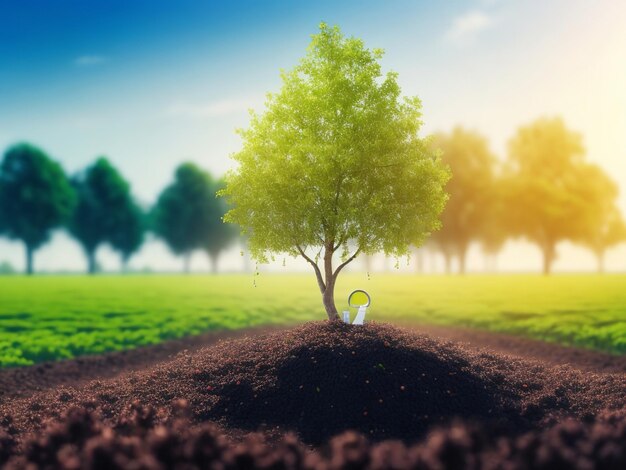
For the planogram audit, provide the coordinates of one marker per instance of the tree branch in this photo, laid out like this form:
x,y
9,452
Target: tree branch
x,y
331,236
346,262
376,167
339,243
318,273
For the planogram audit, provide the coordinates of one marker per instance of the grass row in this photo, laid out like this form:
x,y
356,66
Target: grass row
x,y
48,318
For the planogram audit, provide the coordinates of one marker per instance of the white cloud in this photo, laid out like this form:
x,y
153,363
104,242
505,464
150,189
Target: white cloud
x,y
214,109
89,60
466,27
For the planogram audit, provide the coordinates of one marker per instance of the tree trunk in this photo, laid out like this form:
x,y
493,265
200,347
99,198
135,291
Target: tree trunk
x,y
328,296
328,299
186,263
432,261
494,263
448,262
419,261
462,258
600,259
547,264
548,258
213,257
91,261
30,253
326,281
124,264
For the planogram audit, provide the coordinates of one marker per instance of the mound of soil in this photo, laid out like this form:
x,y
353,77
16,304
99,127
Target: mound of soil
x,y
320,379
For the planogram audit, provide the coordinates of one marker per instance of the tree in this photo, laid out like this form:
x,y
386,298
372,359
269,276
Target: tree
x,y
334,161
130,235
604,226
1,222
472,164
611,231
186,210
102,212
542,173
35,197
418,254
6,268
494,231
221,235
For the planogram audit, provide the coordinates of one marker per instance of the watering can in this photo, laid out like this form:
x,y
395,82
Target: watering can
x,y
360,300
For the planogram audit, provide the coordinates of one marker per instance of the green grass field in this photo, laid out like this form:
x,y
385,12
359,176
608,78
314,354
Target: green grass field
x,y
44,318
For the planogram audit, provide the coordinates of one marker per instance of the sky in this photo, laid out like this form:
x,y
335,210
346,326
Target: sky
x,y
151,84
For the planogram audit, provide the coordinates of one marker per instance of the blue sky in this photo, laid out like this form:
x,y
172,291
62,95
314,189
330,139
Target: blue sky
x,y
154,83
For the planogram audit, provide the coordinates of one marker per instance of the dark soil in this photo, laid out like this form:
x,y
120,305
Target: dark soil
x,y
24,381
81,440
316,381
320,379
20,382
549,353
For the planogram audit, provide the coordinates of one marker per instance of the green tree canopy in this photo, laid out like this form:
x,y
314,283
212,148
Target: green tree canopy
x,y
471,191
6,268
546,185
334,160
130,235
1,221
185,213
102,212
35,197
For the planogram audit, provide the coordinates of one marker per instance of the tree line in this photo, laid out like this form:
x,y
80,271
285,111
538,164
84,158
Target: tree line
x,y
96,207
544,191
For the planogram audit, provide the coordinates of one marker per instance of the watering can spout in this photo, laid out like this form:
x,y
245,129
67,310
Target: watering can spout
x,y
360,316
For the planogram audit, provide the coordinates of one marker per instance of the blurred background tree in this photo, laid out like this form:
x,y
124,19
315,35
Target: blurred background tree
x,y
129,238
610,232
1,222
471,190
221,235
547,200
35,197
494,231
6,268
186,211
105,208
545,191
602,224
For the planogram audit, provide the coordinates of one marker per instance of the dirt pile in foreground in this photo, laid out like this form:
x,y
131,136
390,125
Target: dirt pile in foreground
x,y
318,380
81,441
